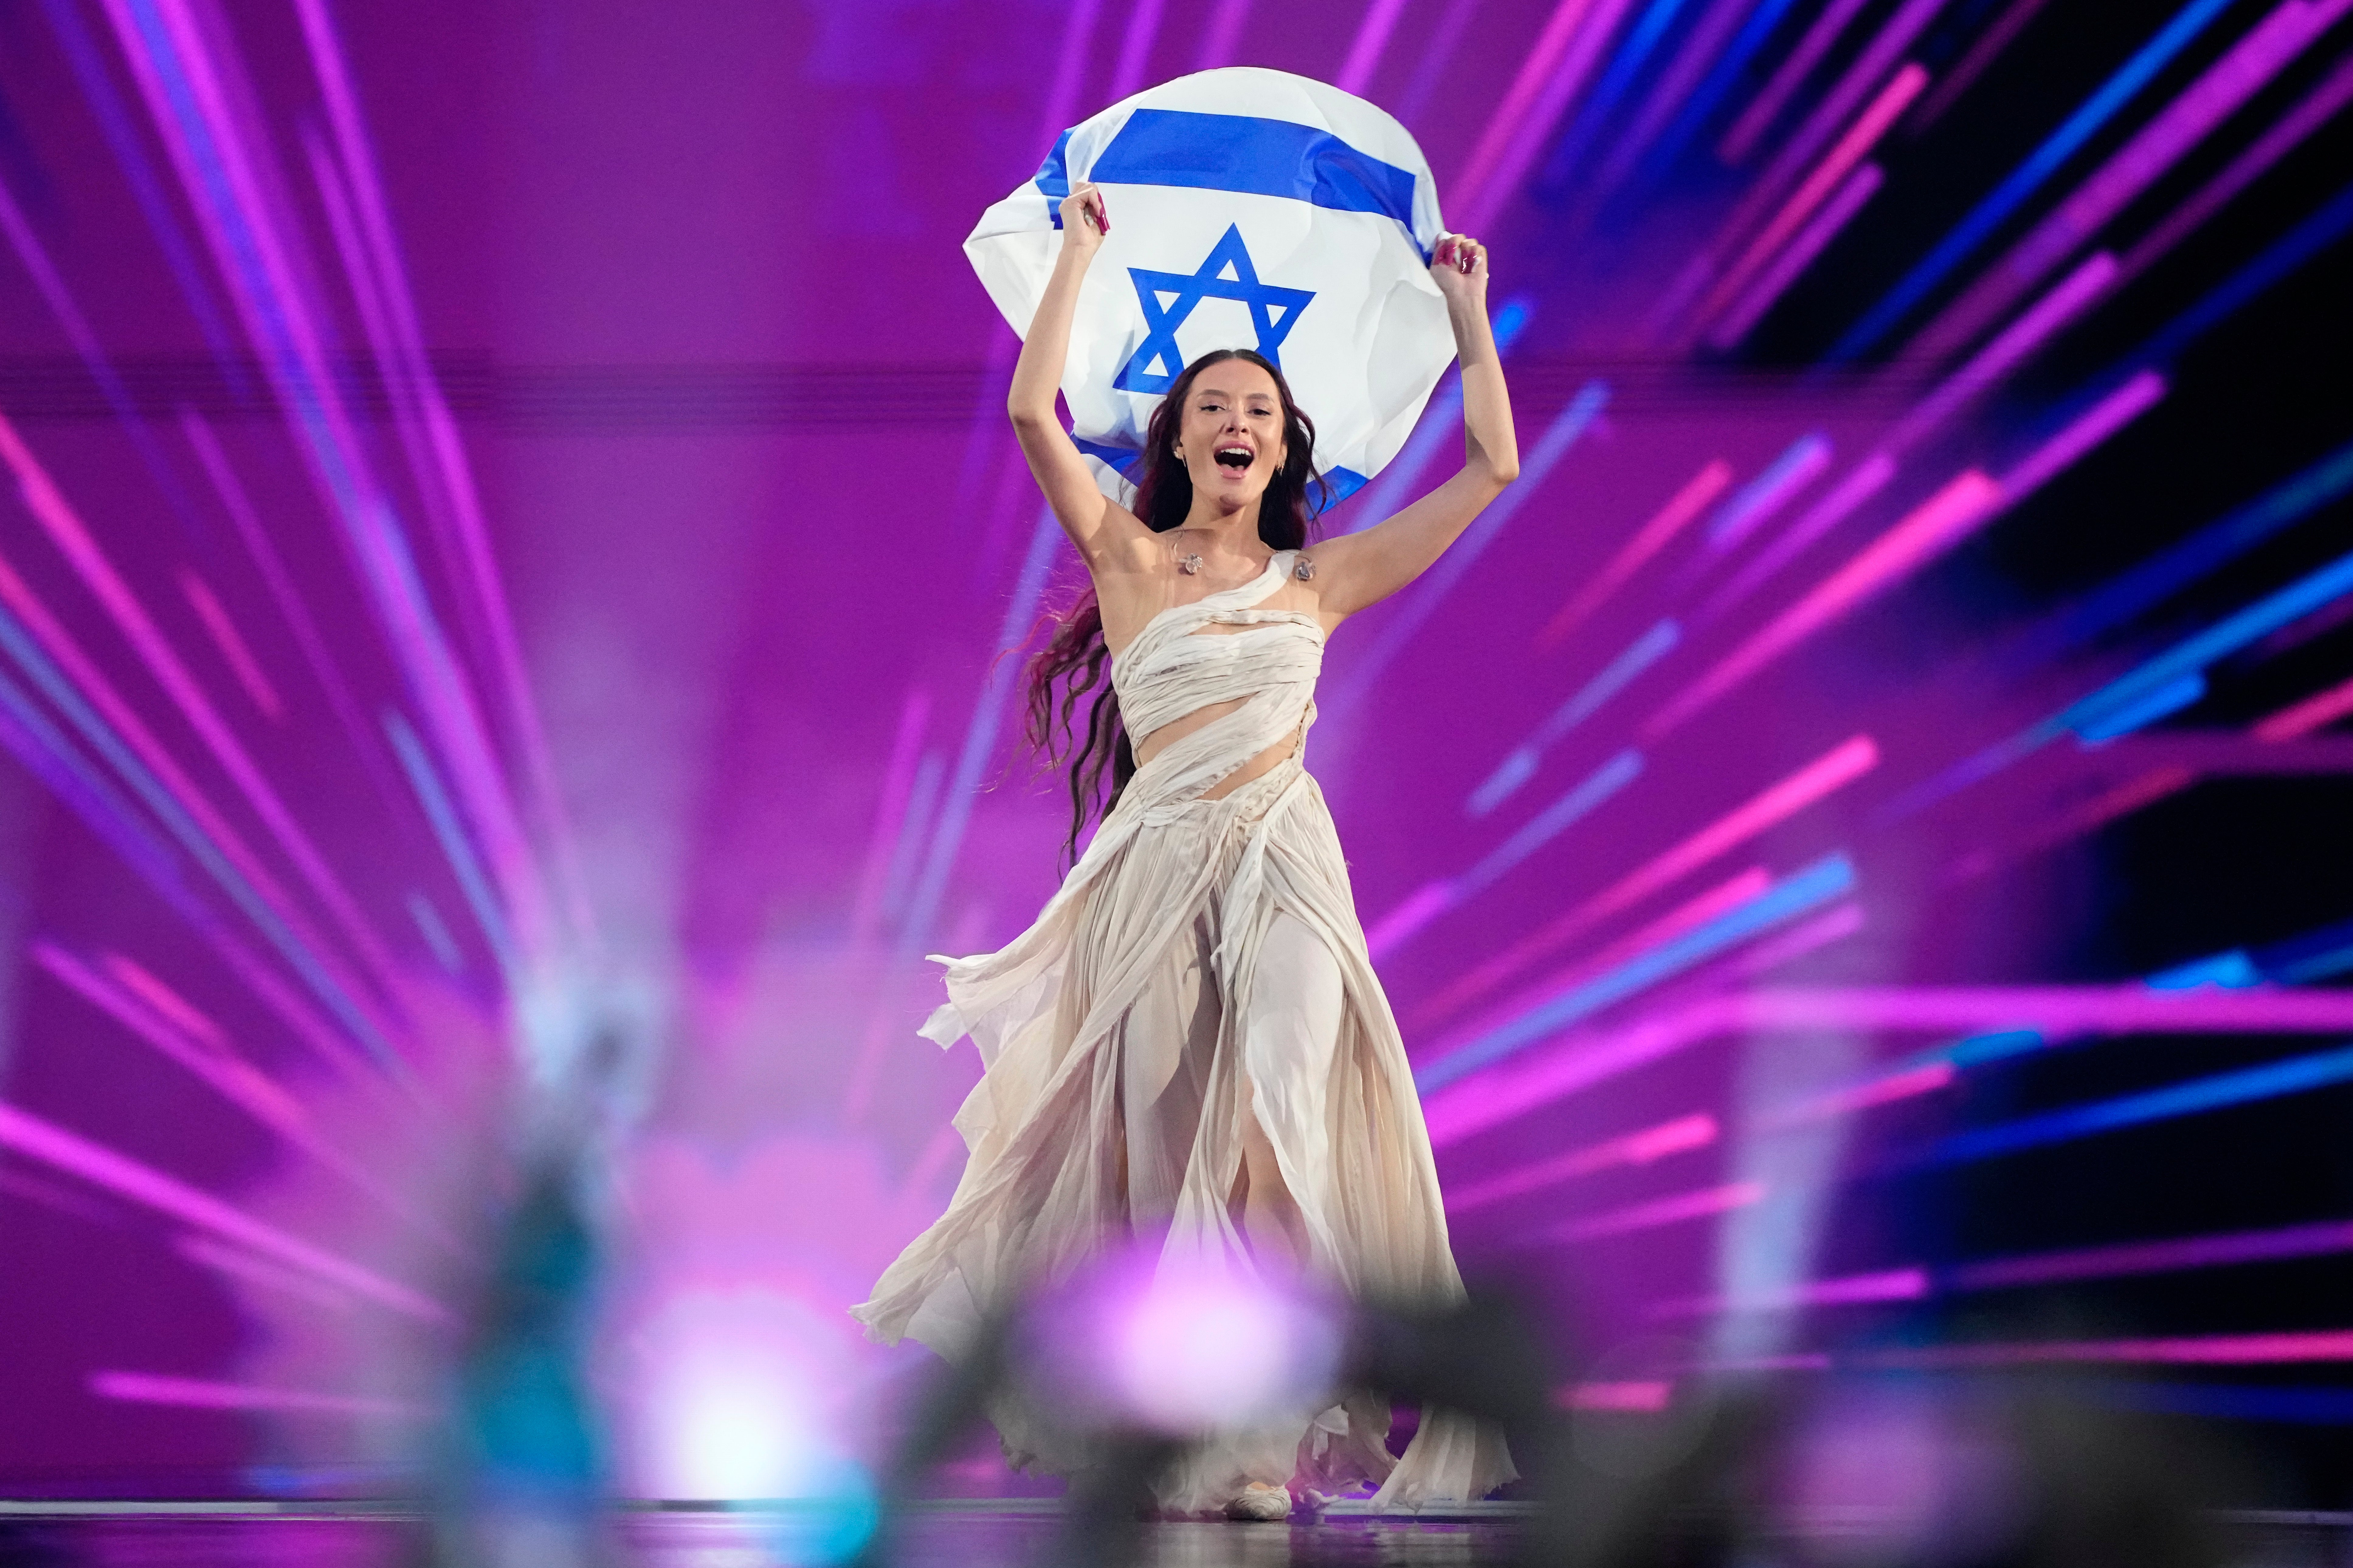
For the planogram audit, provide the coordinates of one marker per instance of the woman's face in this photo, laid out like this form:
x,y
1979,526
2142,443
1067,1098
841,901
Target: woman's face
x,y
1231,438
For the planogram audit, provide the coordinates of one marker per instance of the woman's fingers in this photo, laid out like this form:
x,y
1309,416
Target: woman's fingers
x,y
1461,252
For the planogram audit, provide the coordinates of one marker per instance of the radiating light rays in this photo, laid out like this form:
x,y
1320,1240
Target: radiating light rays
x,y
1776,804
1555,66
1927,532
892,814
1841,501
2315,110
1677,1136
2023,182
1803,202
54,1146
74,540
1625,68
2315,712
106,723
1776,276
1398,627
256,243
2171,571
1707,1203
1365,49
1434,898
231,644
2184,1350
1785,179
2149,691
2081,435
436,451
2296,1075
1525,761
1995,1015
1800,892
1740,140
198,1393
1682,510
472,881
2242,72
1757,502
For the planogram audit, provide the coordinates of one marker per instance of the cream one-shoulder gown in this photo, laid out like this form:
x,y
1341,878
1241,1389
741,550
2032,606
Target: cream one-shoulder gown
x,y
1202,960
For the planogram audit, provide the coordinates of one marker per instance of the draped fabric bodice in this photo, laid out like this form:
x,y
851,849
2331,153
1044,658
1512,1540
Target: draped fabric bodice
x,y
1186,659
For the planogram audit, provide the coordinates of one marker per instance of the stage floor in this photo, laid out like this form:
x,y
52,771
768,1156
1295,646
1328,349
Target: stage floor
x,y
949,1535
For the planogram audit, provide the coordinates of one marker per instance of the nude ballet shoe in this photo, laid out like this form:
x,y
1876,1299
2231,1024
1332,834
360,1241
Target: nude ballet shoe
x,y
1259,1503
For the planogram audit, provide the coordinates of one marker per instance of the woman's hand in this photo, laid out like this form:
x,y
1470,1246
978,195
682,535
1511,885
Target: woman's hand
x,y
1085,219
1458,269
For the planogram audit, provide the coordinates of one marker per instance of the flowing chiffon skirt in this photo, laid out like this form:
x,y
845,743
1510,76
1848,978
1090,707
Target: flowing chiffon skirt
x,y
1201,971
1120,1072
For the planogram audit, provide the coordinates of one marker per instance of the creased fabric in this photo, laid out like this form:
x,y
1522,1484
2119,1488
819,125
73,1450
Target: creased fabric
x,y
1203,957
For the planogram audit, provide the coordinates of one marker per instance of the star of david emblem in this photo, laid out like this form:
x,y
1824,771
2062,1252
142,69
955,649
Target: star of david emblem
x,y
1168,298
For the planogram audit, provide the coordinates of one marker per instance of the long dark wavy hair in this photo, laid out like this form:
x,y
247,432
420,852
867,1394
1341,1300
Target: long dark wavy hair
x,y
1072,670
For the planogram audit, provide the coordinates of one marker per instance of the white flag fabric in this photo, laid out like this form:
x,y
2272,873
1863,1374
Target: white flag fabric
x,y
1250,209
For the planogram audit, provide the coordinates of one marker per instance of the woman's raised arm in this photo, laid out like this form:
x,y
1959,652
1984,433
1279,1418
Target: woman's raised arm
x,y
1095,525
1366,567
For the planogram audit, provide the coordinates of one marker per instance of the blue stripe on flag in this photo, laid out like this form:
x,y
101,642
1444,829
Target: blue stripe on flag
x,y
1054,177
1123,459
1255,157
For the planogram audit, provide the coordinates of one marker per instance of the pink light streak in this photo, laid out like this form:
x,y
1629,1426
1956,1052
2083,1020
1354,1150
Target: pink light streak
x,y
1790,265
1776,804
1837,108
144,1185
890,814
2076,293
2315,712
2093,426
2317,108
146,1388
2153,1256
1371,40
1640,1397
1555,66
1866,480
1786,77
1816,187
251,238
236,1080
2204,1350
1937,524
1972,65
1725,896
2244,70
1886,1089
1224,34
166,1001
1421,906
1853,1290
1832,925
73,538
1684,1132
1585,1058
1698,493
232,646
239,504
117,713
1706,1203
1708,37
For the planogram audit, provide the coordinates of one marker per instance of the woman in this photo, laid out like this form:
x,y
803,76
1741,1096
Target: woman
x,y
1190,1041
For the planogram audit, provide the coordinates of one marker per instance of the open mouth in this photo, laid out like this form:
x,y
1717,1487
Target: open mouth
x,y
1234,456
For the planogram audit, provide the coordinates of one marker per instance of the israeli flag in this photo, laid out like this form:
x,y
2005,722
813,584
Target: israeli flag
x,y
1250,209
